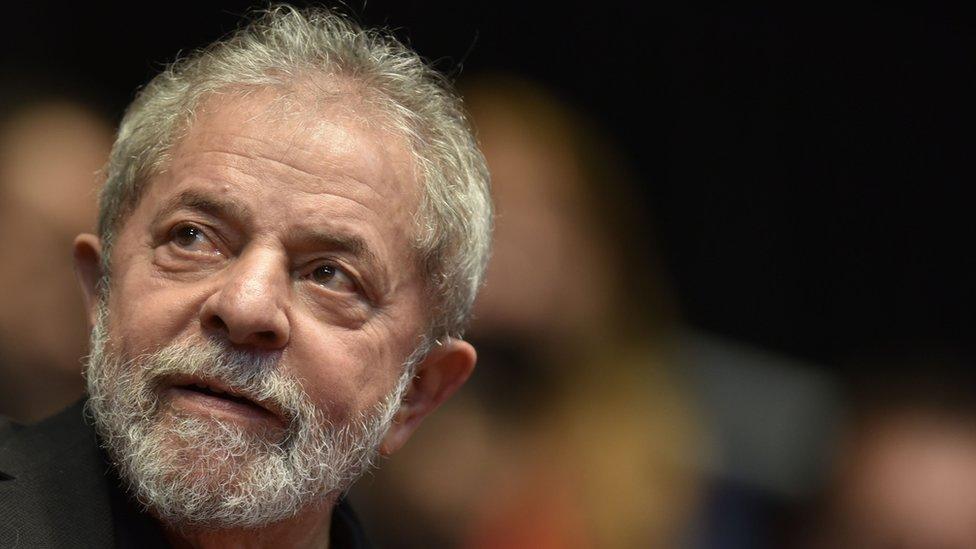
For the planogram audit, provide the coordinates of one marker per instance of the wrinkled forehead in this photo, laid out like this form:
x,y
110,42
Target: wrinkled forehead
x,y
304,168
335,140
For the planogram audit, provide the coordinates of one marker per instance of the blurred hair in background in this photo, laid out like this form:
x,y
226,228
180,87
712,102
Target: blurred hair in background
x,y
51,148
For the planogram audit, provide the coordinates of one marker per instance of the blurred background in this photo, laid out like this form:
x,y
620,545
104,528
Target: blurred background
x,y
731,303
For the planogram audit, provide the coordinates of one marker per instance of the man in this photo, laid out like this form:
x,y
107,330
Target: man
x,y
293,229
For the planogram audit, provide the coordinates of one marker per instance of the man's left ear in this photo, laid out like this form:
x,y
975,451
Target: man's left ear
x,y
442,372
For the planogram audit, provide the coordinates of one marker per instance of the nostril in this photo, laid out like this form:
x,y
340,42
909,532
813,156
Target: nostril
x,y
243,326
268,335
216,323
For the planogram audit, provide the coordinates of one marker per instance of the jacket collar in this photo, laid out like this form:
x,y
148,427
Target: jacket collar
x,y
56,487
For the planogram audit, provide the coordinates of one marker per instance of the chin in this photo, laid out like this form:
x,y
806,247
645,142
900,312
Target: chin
x,y
191,471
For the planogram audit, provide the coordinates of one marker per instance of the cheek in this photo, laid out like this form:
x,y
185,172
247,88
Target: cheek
x,y
345,372
146,314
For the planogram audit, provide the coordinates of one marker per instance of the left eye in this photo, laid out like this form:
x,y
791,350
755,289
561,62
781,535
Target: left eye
x,y
333,277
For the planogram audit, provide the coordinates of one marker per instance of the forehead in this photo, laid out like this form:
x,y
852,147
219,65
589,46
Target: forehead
x,y
263,143
322,137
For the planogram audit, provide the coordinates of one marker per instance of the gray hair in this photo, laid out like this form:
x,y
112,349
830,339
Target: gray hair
x,y
286,47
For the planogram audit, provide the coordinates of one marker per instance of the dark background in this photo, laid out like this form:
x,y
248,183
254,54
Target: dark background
x,y
803,172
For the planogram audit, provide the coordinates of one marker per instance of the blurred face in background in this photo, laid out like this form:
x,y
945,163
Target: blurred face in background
x,y
550,272
50,154
907,481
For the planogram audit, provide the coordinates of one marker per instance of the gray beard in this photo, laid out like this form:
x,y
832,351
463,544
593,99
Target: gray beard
x,y
201,472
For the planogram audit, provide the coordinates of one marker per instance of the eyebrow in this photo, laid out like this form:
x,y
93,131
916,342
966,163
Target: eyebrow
x,y
323,239
194,200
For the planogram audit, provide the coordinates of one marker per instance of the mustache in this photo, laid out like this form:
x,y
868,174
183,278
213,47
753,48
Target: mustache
x,y
255,376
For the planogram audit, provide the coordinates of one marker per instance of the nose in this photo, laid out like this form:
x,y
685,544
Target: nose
x,y
248,307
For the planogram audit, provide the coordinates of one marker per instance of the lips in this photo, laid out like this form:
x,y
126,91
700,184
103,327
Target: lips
x,y
218,393
213,393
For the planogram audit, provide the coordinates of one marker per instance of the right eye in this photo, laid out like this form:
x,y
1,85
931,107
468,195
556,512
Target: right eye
x,y
193,239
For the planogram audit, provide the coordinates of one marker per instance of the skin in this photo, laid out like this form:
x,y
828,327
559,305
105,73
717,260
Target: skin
x,y
48,151
907,481
272,197
543,226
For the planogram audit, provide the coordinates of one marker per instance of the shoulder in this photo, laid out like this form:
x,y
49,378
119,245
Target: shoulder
x,y
8,429
55,443
53,483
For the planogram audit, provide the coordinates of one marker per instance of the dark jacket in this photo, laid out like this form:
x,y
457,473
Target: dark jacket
x,y
57,489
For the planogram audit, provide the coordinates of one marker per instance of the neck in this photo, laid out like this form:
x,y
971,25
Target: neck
x,y
308,529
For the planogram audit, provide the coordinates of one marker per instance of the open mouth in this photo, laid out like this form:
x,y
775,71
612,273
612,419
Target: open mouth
x,y
217,393
213,397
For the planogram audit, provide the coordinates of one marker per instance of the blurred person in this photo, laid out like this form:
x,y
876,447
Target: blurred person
x,y
573,251
294,226
770,422
582,435
50,153
904,473
611,452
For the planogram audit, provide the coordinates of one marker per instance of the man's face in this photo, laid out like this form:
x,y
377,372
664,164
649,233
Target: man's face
x,y
276,241
282,233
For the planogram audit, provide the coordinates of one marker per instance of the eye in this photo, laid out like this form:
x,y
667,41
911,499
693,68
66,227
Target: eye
x,y
192,238
333,277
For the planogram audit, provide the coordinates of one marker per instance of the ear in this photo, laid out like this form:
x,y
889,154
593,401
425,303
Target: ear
x,y
88,269
445,369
